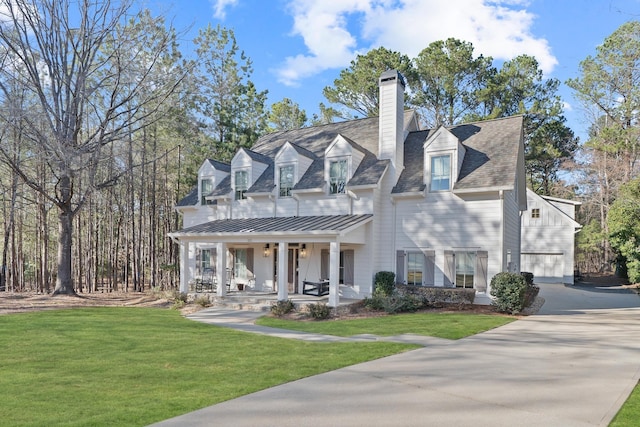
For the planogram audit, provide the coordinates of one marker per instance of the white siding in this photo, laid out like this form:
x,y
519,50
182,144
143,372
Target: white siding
x,y
444,221
550,235
511,233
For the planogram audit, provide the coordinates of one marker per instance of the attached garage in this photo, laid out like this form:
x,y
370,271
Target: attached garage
x,y
548,238
546,267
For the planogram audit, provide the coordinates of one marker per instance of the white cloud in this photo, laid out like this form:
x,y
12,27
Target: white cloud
x,y
220,6
334,31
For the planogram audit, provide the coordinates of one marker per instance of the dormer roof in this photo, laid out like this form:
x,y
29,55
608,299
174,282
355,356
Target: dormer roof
x,y
224,167
490,162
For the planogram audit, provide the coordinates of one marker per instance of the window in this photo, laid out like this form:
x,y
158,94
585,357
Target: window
x,y
240,264
465,269
206,187
242,183
535,213
337,177
286,180
440,173
205,258
414,268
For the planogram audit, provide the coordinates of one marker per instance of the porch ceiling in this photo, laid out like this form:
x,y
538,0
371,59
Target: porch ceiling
x,y
336,225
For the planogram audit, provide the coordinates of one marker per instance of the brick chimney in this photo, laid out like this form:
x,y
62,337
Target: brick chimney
x,y
391,122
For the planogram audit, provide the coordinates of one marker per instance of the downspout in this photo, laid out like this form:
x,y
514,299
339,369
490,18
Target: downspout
x,y
394,216
502,230
352,197
275,204
295,197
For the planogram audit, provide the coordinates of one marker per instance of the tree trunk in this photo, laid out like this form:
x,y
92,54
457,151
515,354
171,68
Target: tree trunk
x,y
64,282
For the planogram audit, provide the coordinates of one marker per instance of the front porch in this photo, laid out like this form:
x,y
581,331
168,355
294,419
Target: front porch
x,y
278,256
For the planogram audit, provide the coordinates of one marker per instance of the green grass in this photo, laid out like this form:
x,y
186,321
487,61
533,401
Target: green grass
x,y
135,366
442,325
630,412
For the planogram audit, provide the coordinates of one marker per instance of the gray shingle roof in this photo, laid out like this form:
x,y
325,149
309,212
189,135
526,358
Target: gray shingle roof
x,y
412,177
490,161
369,172
225,167
295,224
491,157
492,153
223,188
190,199
264,183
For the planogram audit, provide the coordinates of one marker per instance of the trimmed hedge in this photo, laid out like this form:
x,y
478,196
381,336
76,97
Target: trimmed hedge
x,y
385,282
510,291
435,294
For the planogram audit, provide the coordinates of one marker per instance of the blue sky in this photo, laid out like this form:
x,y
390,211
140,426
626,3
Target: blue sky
x,y
299,46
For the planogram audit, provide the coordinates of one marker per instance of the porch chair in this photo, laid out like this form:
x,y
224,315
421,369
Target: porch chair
x,y
207,281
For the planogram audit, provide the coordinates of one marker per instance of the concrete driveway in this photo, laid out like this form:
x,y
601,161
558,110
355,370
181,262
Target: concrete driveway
x,y
573,364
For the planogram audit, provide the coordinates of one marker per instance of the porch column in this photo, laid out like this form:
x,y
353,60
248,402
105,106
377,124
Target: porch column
x,y
185,273
221,269
283,286
334,274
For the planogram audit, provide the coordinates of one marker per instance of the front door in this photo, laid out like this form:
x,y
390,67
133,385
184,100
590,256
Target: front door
x,y
292,270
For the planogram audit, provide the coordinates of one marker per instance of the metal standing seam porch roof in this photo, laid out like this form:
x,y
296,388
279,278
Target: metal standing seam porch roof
x,y
325,224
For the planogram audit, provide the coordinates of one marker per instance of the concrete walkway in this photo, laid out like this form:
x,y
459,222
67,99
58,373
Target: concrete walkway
x,y
572,364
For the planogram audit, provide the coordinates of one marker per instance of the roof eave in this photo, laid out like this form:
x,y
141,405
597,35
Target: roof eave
x,y
482,189
408,195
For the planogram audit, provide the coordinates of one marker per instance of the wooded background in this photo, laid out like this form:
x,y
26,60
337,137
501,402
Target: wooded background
x,y
104,124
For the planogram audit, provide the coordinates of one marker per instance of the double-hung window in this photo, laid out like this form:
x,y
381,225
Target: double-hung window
x,y
286,180
241,184
415,262
206,187
240,264
440,173
337,177
465,269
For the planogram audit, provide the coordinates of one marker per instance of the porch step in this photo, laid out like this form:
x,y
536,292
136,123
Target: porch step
x,y
242,302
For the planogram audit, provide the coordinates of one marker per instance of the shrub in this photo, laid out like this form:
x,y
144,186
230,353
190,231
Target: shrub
x,y
528,277
509,290
385,281
319,311
202,301
394,303
178,304
398,303
281,308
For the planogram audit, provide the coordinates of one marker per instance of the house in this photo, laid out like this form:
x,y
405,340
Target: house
x,y
548,238
335,204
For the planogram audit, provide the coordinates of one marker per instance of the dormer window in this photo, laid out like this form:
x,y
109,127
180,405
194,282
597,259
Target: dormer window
x,y
286,180
241,184
337,176
440,173
206,187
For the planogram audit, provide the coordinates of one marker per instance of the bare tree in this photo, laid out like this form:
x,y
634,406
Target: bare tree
x,y
88,75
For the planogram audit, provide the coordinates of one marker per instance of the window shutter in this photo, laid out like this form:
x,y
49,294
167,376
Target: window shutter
x,y
231,264
198,262
482,260
324,264
449,268
400,266
250,261
429,274
348,258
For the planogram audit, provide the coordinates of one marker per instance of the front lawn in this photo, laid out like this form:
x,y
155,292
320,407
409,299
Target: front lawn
x,y
630,412
136,366
442,325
